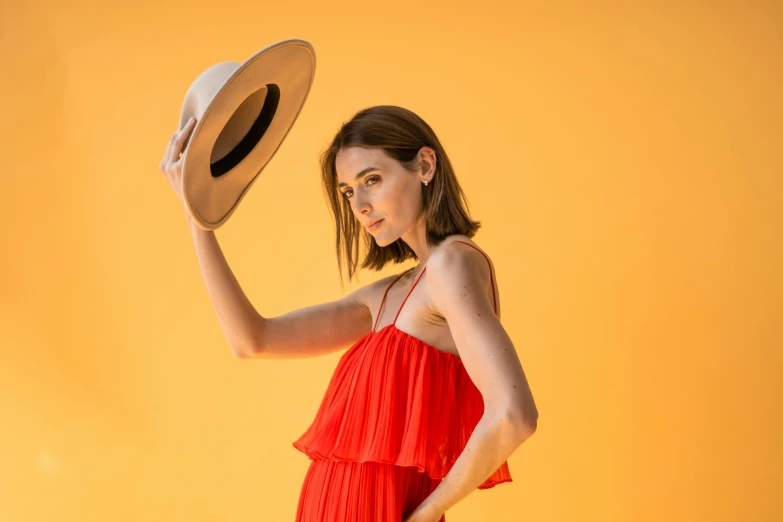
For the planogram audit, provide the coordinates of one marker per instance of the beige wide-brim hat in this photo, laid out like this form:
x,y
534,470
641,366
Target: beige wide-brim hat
x,y
243,112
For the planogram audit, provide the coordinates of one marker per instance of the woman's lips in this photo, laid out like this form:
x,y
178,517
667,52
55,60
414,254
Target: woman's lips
x,y
375,225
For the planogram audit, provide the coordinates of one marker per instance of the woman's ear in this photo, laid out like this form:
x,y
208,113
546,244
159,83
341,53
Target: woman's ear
x,y
427,162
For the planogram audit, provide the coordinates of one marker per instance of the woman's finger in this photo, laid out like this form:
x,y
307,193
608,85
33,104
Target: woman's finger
x,y
167,154
183,134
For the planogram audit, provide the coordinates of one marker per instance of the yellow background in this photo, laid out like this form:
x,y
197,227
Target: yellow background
x,y
625,162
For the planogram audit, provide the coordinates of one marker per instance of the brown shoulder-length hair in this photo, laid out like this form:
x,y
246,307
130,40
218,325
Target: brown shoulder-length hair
x,y
400,134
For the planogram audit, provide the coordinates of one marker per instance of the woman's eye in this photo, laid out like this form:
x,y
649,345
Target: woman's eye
x,y
348,192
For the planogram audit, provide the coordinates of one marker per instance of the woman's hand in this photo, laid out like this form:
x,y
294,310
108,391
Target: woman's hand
x,y
171,164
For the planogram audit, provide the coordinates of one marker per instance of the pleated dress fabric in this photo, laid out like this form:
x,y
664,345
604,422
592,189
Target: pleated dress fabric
x,y
395,416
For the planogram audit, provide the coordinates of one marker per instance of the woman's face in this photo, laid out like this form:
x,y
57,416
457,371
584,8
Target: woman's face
x,y
384,191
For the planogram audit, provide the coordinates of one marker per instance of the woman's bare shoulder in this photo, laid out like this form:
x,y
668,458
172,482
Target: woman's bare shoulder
x,y
372,292
454,238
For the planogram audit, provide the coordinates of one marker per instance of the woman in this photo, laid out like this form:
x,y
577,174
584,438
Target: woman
x,y
427,407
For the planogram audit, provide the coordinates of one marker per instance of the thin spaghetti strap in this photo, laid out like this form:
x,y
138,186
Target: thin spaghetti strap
x,y
491,277
409,293
380,308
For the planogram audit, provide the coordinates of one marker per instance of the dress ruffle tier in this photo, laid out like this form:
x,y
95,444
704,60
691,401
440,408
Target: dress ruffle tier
x,y
395,399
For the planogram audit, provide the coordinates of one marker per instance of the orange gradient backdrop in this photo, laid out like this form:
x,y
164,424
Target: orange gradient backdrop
x,y
625,162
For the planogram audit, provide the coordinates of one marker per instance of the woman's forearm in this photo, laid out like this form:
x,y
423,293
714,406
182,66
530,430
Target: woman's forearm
x,y
492,442
238,319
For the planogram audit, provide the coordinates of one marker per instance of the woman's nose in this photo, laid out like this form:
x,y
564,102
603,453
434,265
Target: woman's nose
x,y
360,203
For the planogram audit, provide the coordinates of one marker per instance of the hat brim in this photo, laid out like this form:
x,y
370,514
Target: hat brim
x,y
290,65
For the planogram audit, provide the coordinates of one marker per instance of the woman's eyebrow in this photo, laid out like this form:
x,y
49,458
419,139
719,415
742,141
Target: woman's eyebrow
x,y
359,175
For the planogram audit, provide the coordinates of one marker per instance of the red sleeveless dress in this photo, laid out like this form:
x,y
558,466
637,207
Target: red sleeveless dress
x,y
395,416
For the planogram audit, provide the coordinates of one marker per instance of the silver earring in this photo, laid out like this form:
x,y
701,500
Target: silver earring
x,y
425,182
